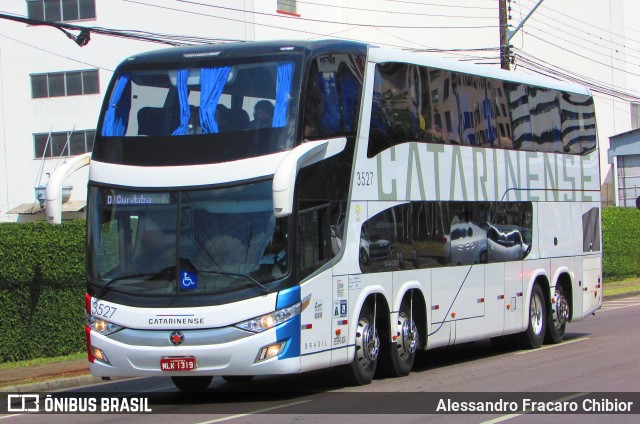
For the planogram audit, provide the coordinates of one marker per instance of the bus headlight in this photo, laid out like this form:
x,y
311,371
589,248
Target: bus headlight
x,y
267,321
101,326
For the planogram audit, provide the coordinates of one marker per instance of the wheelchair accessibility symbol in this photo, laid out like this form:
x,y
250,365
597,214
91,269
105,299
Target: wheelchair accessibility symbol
x,y
189,280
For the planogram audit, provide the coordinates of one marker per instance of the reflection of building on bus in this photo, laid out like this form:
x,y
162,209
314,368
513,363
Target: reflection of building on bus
x,y
427,205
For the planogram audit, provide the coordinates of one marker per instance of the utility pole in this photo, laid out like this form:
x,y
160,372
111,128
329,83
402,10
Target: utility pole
x,y
504,37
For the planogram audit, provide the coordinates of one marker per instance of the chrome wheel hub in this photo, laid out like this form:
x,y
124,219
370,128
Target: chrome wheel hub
x,y
561,310
537,312
407,335
367,343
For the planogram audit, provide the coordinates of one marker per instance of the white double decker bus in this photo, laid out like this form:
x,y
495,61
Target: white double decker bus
x,y
280,207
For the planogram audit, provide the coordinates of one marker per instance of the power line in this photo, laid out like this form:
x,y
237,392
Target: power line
x,y
590,25
581,55
575,44
83,37
324,21
56,54
539,66
394,12
441,5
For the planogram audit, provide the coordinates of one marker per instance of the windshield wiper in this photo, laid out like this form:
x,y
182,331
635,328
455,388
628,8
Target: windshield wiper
x,y
257,283
107,286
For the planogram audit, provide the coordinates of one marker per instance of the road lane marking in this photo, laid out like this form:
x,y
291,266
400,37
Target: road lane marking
x,y
258,411
10,416
510,416
523,352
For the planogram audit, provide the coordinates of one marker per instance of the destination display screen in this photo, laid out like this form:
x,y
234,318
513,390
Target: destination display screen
x,y
137,199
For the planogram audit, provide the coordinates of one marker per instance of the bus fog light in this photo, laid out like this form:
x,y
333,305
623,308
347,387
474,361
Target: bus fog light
x,y
99,355
270,351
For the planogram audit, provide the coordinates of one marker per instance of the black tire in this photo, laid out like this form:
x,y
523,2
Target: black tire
x,y
397,357
237,378
365,359
192,384
559,313
533,337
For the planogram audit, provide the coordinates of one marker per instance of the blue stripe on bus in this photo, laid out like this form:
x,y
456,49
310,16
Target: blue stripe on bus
x,y
288,297
290,330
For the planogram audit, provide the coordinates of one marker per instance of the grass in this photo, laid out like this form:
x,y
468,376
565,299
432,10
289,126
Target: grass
x,y
629,285
42,361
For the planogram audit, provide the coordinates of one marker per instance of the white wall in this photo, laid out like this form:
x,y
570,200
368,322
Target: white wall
x,y
457,24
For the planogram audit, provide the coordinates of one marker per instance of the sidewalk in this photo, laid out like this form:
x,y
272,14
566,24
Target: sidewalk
x,y
47,377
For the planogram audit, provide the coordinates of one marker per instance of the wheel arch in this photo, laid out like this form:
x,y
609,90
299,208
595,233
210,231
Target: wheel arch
x,y
542,279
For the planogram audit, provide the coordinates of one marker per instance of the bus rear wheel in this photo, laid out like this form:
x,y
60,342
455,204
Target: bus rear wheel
x,y
192,384
363,367
558,318
533,337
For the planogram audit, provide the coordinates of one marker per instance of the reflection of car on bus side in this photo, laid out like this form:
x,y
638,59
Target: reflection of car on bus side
x,y
506,243
465,244
373,248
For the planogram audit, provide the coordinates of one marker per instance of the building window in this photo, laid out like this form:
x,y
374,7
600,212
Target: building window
x,y
635,116
65,84
61,10
65,143
287,6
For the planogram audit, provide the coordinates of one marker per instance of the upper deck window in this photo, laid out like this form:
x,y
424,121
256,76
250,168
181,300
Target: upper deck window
x,y
206,100
416,103
200,111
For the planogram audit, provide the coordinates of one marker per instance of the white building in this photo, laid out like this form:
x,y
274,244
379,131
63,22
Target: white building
x,y
50,85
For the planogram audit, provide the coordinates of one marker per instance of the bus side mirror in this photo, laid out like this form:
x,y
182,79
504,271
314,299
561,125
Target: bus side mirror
x,y
53,192
306,154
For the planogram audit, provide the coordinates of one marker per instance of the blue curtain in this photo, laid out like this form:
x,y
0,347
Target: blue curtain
x,y
183,97
212,82
283,94
117,117
331,116
349,92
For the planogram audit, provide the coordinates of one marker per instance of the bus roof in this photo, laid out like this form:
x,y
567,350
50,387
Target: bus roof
x,y
249,48
375,54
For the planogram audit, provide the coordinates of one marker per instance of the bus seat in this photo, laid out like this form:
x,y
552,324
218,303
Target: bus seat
x,y
239,120
150,121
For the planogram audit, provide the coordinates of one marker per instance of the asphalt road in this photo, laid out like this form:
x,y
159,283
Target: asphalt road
x,y
596,364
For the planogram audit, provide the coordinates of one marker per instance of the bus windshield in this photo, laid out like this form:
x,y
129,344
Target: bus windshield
x,y
192,242
208,99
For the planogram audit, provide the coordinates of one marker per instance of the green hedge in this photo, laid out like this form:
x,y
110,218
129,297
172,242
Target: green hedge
x,y
42,286
621,243
42,281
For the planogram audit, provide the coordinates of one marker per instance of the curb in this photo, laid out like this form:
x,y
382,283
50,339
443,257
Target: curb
x,y
621,295
53,384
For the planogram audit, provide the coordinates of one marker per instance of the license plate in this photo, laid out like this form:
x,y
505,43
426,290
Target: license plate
x,y
178,363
